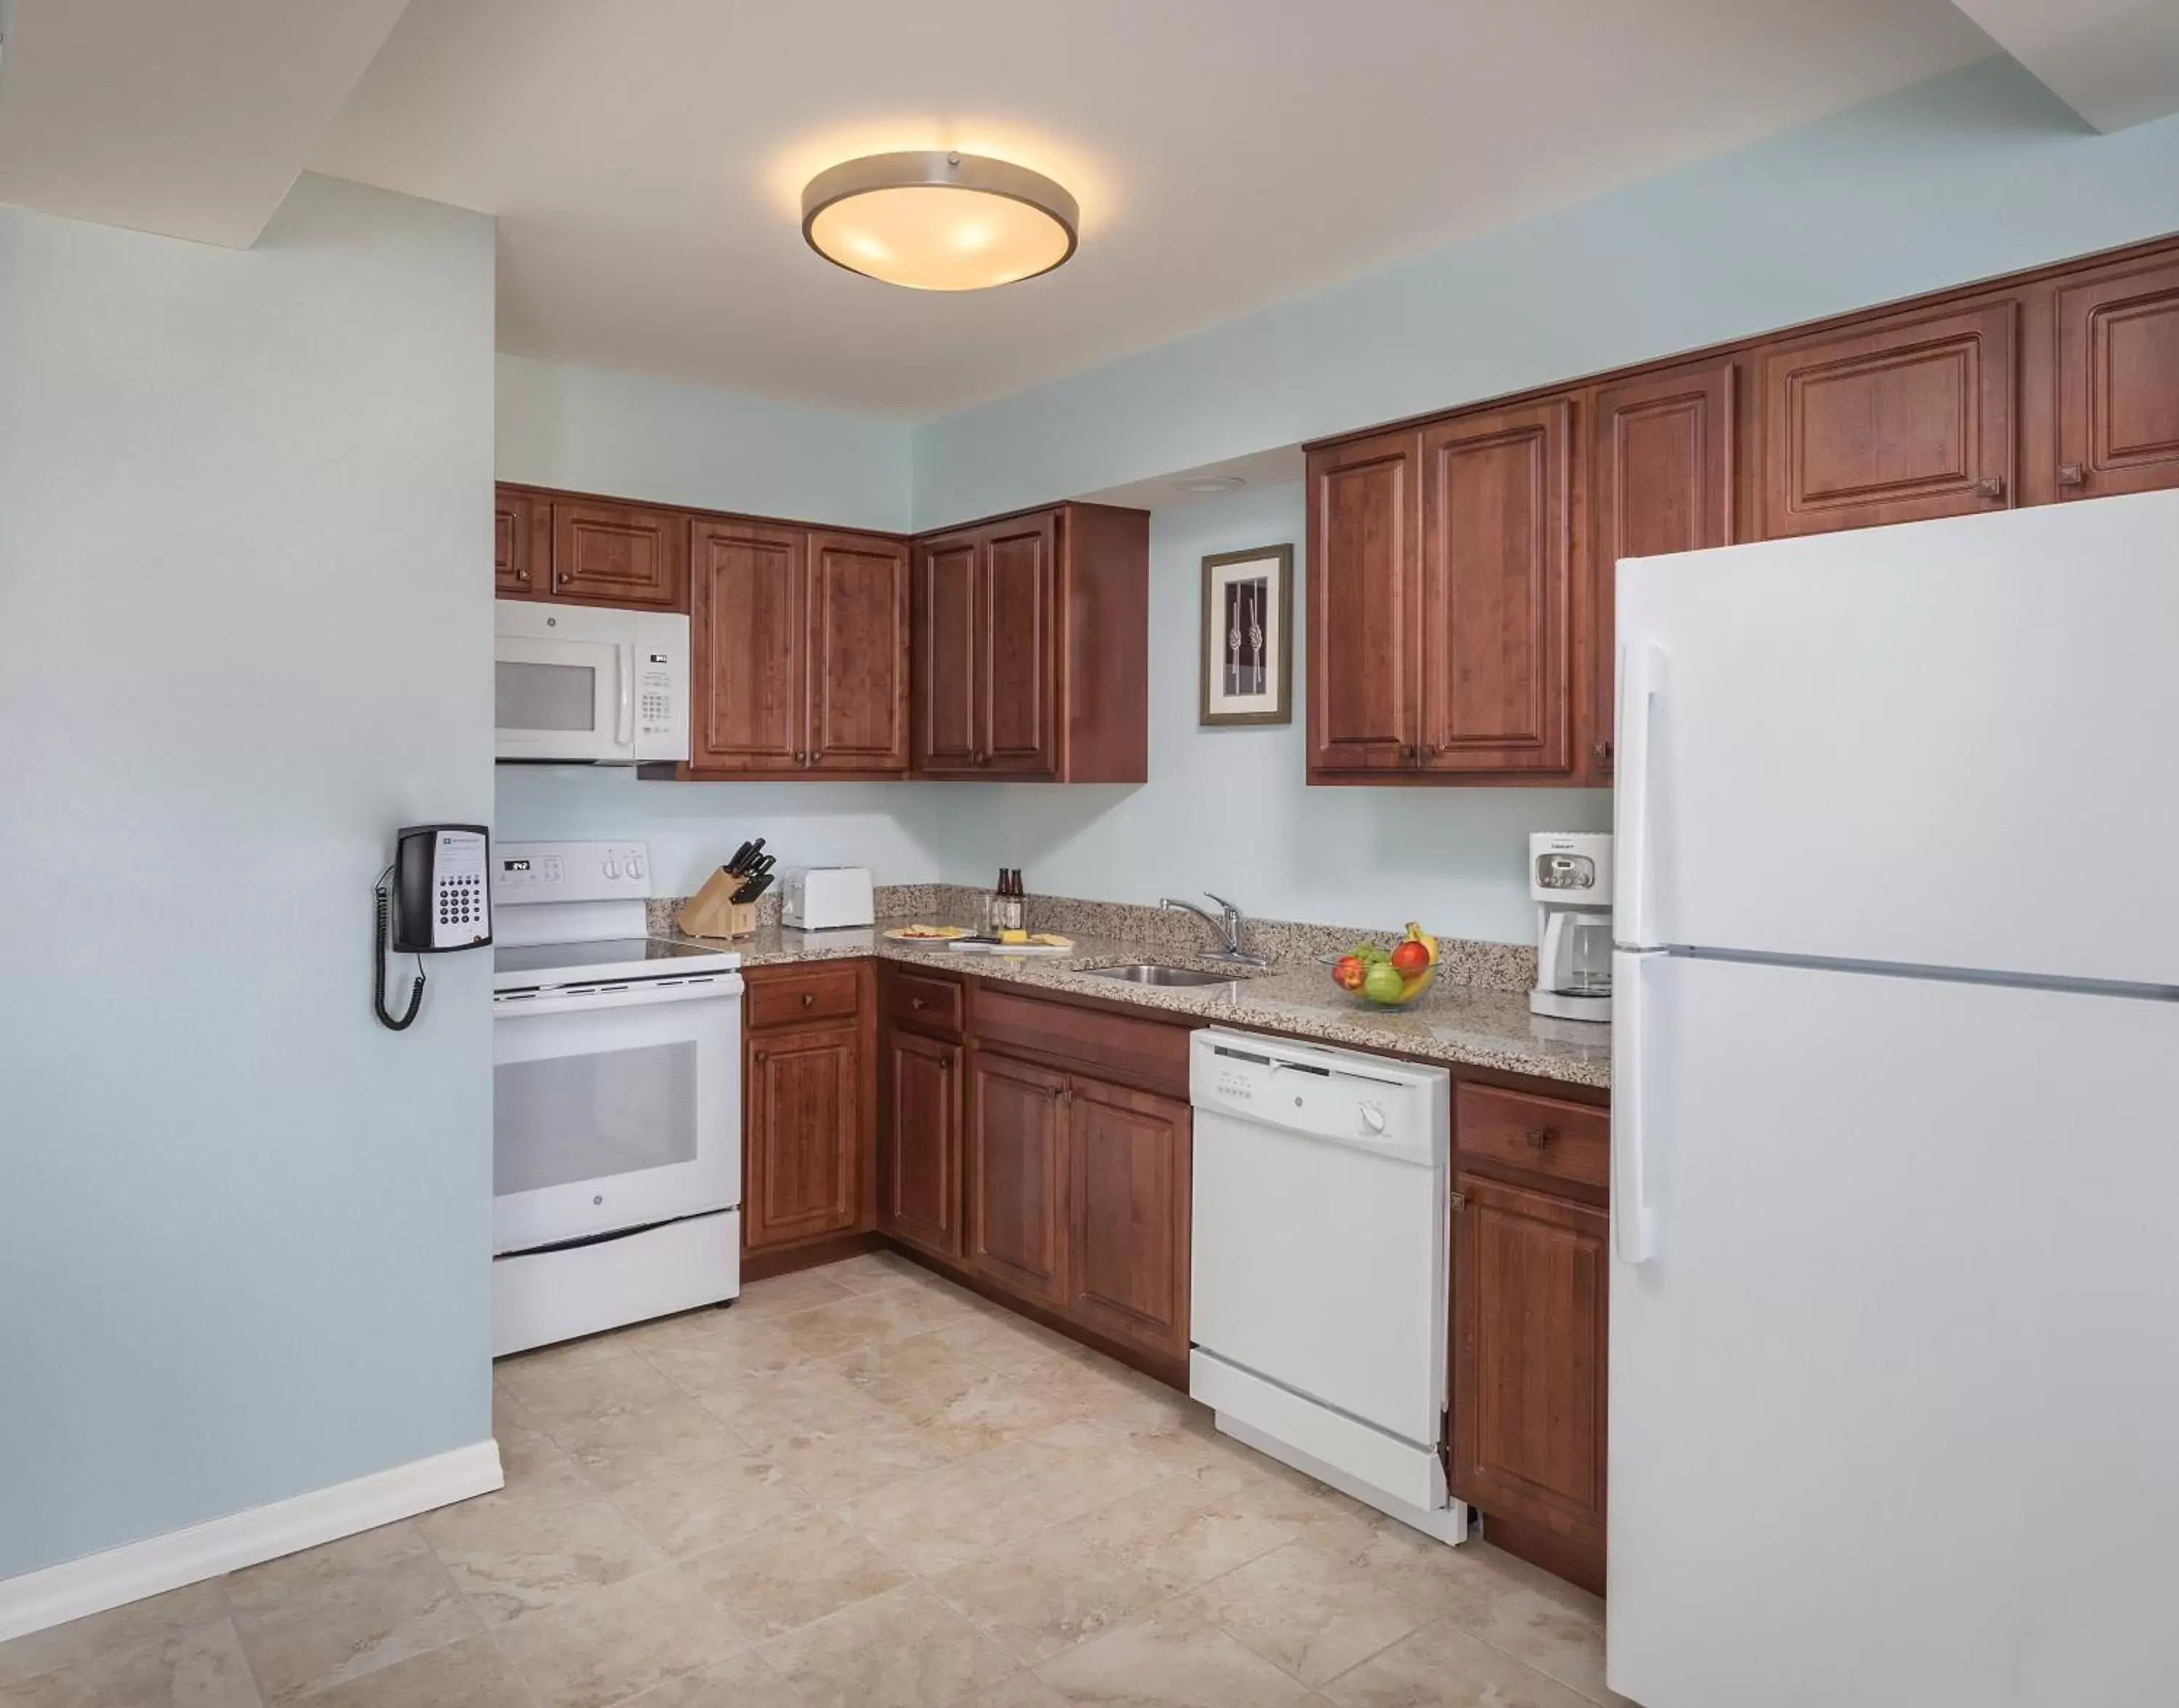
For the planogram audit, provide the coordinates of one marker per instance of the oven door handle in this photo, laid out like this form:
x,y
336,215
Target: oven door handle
x,y
600,998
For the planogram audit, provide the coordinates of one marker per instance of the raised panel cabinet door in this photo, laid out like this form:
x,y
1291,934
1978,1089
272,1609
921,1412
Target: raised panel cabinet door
x,y
1128,1226
748,648
1018,648
948,597
1909,419
1018,1176
920,1144
802,1135
857,653
1531,1278
1662,465
521,545
1497,583
619,554
1362,517
2118,382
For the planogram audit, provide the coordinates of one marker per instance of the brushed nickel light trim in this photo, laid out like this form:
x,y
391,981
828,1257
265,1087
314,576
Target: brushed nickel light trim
x,y
940,169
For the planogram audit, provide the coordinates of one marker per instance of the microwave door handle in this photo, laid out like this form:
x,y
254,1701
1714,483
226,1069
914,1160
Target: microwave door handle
x,y
625,725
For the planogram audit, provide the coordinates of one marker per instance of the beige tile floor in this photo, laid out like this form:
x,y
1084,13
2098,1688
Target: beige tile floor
x,y
859,1487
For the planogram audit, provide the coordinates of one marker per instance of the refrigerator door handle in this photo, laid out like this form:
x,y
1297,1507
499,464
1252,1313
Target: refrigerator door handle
x,y
1633,1223
1641,676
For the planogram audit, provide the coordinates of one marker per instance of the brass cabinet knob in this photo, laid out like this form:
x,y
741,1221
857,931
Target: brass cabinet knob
x,y
2072,475
1540,1138
764,1055
1429,750
810,999
1602,750
1407,754
917,1002
1993,487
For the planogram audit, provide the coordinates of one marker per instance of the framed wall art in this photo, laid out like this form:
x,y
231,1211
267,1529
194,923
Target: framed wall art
x,y
1247,649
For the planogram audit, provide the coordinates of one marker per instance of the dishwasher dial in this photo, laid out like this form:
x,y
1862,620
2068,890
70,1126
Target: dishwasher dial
x,y
1372,1116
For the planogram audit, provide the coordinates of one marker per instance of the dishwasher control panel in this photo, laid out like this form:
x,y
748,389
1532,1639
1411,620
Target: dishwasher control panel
x,y
1343,1096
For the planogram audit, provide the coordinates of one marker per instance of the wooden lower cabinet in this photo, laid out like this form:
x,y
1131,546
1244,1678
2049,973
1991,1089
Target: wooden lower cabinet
x,y
920,1143
1129,1169
1017,1170
804,1127
1531,1275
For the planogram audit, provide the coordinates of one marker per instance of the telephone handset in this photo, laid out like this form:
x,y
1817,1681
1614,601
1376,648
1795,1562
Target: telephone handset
x,y
441,899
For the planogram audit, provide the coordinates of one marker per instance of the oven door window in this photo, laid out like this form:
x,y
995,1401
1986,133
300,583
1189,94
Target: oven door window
x,y
608,1117
574,1118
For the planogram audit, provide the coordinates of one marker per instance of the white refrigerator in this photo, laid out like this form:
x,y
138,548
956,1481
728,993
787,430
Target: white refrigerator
x,y
1895,1290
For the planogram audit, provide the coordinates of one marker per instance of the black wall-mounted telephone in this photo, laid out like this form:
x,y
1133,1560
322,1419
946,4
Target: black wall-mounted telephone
x,y
441,899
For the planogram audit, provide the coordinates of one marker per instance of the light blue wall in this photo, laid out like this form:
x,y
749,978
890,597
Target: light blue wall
x,y
1979,173
245,1232
589,429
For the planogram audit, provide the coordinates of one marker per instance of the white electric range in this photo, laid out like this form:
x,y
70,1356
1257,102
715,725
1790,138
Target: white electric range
x,y
616,1101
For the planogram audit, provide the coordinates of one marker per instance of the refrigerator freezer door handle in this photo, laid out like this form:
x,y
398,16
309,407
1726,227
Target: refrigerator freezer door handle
x,y
1641,674
1633,1224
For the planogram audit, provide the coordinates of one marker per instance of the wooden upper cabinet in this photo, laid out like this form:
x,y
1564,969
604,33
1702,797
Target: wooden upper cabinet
x,y
748,609
857,659
1895,420
1662,471
521,545
948,572
1364,706
1017,1143
1018,648
2118,381
1129,1164
920,1143
619,554
1530,1275
804,1136
1032,641
1496,581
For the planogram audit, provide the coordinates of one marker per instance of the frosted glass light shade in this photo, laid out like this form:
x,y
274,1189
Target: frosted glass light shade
x,y
939,222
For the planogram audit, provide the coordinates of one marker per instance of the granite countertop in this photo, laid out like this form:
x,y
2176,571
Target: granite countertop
x,y
1472,1025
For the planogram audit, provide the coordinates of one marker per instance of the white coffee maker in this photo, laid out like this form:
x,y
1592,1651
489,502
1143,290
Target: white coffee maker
x,y
1570,881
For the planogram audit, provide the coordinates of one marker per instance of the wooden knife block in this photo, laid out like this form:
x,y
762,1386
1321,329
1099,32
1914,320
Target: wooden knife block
x,y
710,913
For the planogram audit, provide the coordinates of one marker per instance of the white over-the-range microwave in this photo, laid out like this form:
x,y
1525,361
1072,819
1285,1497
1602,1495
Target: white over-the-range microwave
x,y
584,685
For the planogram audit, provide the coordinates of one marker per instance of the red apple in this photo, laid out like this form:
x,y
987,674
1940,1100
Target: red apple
x,y
1349,972
1410,958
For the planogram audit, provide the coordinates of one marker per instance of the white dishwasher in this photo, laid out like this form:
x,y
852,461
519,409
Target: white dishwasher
x,y
1320,1275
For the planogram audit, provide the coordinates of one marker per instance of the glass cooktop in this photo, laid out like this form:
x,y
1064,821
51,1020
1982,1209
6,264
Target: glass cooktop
x,y
612,951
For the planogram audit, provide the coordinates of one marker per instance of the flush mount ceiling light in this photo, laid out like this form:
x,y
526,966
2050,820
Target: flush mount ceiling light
x,y
1206,483
936,221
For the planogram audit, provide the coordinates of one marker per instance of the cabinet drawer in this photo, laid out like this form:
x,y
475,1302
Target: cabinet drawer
x,y
1149,1054
803,994
920,1000
1539,1135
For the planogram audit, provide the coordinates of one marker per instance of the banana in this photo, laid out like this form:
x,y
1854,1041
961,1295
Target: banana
x,y
1417,934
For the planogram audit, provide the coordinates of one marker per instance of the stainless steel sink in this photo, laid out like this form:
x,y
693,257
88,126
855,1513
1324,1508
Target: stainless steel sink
x,y
1145,972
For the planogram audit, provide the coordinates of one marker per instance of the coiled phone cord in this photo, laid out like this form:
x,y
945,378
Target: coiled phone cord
x,y
385,902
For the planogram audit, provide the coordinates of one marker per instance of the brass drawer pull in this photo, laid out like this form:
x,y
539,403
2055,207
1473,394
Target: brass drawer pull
x,y
1540,1138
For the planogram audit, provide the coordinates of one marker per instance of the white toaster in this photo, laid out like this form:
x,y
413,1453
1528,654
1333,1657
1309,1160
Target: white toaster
x,y
824,898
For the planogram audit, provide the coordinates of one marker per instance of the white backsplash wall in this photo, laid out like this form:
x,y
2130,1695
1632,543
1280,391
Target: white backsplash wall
x,y
1226,810
692,826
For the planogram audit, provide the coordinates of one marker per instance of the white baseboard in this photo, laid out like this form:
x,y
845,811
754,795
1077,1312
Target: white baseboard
x,y
98,1581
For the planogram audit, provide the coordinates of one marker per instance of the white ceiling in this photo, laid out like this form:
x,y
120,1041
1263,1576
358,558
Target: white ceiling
x,y
645,158
2114,62
187,120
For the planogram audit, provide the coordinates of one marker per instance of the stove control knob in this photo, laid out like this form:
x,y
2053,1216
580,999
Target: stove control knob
x,y
1373,1118
634,867
612,866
